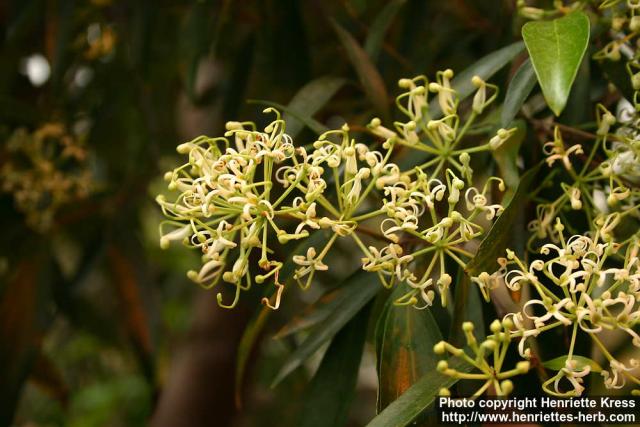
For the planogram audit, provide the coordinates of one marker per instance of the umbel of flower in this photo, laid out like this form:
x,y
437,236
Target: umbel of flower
x,y
440,139
585,286
438,218
588,188
225,204
487,358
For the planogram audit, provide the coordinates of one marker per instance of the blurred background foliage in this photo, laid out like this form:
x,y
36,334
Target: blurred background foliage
x,y
98,327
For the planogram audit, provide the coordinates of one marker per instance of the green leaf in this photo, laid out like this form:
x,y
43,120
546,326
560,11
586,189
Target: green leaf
x,y
579,107
405,352
485,68
255,326
506,157
467,307
519,89
369,76
494,244
556,49
418,398
311,98
379,28
329,396
366,286
581,362
309,122
318,311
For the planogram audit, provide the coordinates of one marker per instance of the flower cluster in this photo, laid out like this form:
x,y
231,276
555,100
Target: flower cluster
x,y
444,230
582,284
495,346
588,186
440,139
45,170
240,193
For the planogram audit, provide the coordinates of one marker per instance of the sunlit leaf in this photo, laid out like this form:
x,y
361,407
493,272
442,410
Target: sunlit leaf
x,y
556,49
330,393
367,286
521,85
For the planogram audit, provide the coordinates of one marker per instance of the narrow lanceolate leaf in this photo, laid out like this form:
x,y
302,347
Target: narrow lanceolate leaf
x,y
418,398
556,49
519,89
366,286
405,352
318,311
495,243
485,68
379,28
329,396
257,323
581,362
369,76
311,98
317,127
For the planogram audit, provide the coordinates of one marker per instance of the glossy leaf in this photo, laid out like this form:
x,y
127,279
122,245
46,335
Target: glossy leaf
x,y
330,393
418,398
521,85
556,49
257,323
369,76
379,28
495,243
581,361
485,68
366,286
405,352
311,98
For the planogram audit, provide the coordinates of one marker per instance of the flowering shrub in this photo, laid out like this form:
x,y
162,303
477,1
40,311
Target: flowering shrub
x,y
425,199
